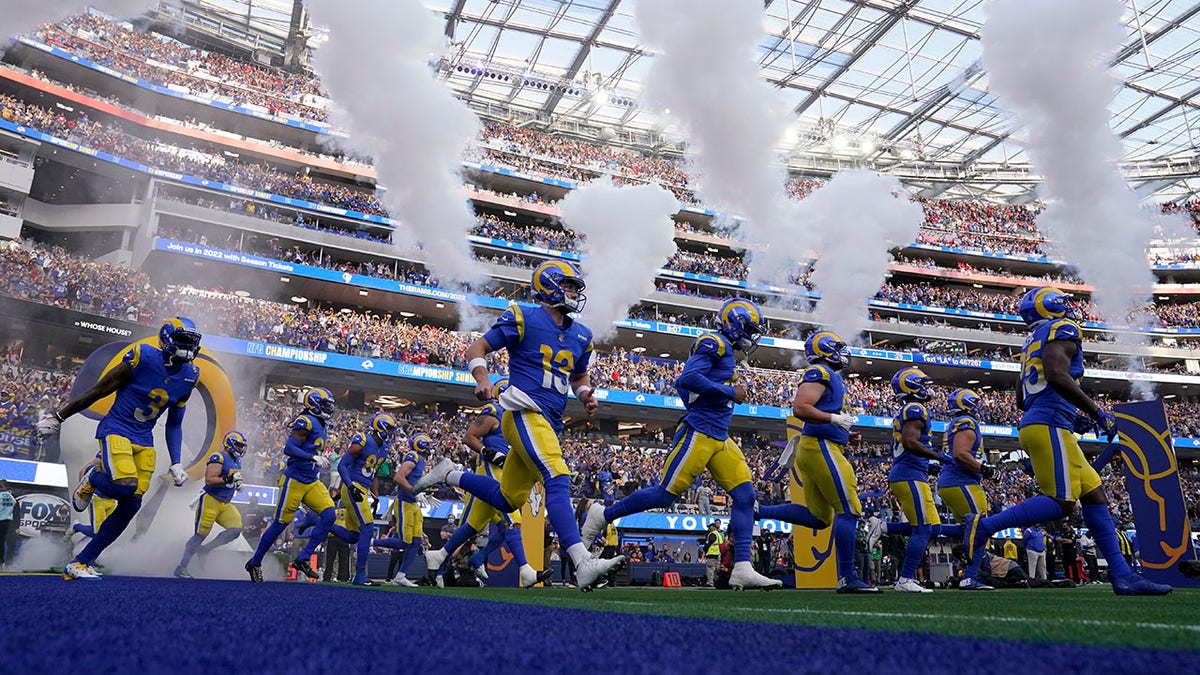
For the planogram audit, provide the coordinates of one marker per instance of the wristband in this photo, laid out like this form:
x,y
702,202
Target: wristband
x,y
477,362
579,391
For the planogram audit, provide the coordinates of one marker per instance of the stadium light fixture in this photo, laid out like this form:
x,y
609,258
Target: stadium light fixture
x,y
639,335
407,315
362,292
285,279
440,305
347,310
242,294
638,350
664,355
972,381
299,298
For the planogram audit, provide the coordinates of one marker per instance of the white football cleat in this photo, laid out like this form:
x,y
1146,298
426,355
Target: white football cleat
x,y
440,581
436,476
907,585
596,571
435,559
745,576
593,525
81,496
77,570
528,576
481,573
402,580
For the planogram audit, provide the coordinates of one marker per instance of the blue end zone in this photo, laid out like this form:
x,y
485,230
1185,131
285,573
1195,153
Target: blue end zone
x,y
135,625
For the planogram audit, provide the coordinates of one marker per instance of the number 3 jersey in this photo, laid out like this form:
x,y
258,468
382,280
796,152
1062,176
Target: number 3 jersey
x,y
1044,405
542,356
153,389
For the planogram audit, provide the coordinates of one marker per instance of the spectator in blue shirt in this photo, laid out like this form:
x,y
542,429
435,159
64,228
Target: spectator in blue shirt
x,y
1035,551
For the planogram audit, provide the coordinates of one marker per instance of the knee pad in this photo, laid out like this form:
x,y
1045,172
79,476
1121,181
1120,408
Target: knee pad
x,y
743,493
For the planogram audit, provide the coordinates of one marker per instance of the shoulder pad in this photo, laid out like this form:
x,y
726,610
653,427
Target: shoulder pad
x,y
815,373
216,458
914,411
709,343
1064,329
359,439
302,423
411,456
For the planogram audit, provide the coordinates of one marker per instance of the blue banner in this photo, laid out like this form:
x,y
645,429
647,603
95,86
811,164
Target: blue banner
x,y
1152,480
686,522
18,442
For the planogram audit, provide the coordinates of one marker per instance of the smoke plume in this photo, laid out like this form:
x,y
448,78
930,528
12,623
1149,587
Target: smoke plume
x,y
1048,62
630,235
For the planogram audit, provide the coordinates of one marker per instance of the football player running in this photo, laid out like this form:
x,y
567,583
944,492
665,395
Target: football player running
x,y
819,460
148,381
549,353
222,480
709,388
1050,398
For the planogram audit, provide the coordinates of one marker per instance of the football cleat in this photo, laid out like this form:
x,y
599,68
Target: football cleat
x,y
255,572
528,576
435,559
360,579
402,580
436,476
907,585
303,566
181,572
481,572
81,498
596,571
1136,584
972,584
546,577
95,570
855,585
77,570
744,576
593,525
439,581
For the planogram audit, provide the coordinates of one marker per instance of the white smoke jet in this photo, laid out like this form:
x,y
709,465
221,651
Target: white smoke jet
x,y
630,235
1048,62
704,70
376,67
24,16
862,216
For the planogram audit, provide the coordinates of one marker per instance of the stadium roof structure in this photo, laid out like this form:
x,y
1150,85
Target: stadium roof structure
x,y
896,85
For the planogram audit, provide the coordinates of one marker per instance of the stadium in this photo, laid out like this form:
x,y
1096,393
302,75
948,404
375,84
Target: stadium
x,y
563,327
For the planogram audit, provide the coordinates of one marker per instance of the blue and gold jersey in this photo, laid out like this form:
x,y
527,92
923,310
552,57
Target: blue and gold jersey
x,y
706,385
494,440
542,357
1044,405
834,400
153,389
304,470
413,476
362,468
229,464
953,473
906,465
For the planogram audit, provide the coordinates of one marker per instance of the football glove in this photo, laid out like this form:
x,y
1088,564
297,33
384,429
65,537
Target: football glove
x,y
178,475
238,482
321,461
356,491
987,470
494,458
1107,424
783,465
1083,424
48,425
935,467
843,421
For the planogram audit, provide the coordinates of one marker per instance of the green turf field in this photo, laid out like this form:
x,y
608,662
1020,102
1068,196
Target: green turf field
x,y
1089,615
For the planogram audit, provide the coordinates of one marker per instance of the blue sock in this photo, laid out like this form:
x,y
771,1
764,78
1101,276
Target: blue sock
x,y
364,548
1100,526
345,534
85,530
794,514
845,526
488,490
516,545
269,536
410,556
225,537
902,529
741,521
390,542
955,531
917,543
113,526
653,497
319,531
560,512
1034,510
190,549
459,537
105,486
494,542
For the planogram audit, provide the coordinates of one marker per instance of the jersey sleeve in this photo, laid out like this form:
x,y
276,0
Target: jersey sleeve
x,y
1065,329
964,424
410,456
216,458
585,359
509,329
914,411
815,374
302,423
708,344
359,439
133,356
490,410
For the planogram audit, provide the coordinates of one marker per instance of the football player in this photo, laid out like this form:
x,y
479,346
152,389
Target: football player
x,y
222,480
1050,398
709,388
830,485
484,438
549,353
360,488
300,483
147,381
410,522
963,468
